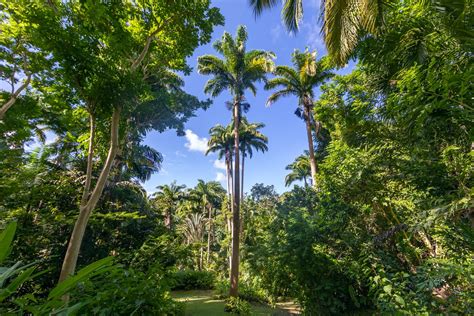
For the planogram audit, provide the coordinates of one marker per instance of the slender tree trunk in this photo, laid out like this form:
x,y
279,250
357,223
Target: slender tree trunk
x,y
305,182
230,184
234,273
201,256
209,235
72,253
168,219
5,107
242,218
90,157
312,159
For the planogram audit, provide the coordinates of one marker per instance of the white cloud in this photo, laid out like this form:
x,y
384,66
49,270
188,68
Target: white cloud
x,y
194,142
276,32
219,164
220,177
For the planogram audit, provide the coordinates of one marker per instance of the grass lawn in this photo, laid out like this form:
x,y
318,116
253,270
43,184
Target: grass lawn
x,y
201,303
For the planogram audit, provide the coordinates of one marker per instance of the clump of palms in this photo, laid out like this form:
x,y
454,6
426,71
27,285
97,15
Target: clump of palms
x,y
168,199
208,195
237,72
300,81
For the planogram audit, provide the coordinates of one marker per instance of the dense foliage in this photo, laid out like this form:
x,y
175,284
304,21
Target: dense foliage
x,y
386,227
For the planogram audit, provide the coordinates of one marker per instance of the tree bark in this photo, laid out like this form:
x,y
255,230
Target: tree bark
x,y
5,107
312,159
74,245
234,273
209,236
90,157
242,218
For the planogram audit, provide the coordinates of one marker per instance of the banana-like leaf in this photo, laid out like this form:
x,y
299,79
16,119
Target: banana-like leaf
x,y
85,273
16,283
6,238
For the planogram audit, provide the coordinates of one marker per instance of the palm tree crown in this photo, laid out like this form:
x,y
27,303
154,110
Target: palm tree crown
x,y
239,70
300,81
251,138
300,170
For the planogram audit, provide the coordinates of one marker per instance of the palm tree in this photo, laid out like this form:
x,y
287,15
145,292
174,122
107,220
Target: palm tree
x,y
238,71
221,141
168,198
344,21
251,139
193,230
208,194
300,170
300,81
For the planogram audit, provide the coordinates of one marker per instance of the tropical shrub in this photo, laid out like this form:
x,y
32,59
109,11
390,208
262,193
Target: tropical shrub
x,y
128,292
236,305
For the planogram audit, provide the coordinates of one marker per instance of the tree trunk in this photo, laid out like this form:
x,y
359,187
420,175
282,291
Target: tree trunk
x,y
5,107
72,253
230,183
234,273
90,157
242,218
209,235
312,159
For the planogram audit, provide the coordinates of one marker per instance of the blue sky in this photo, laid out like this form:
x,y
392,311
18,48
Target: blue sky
x,y
184,159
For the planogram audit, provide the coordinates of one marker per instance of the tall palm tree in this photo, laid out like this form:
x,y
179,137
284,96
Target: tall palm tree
x,y
300,81
300,170
168,198
237,72
344,21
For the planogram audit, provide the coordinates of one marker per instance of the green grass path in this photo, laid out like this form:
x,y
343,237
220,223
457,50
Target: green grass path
x,y
201,303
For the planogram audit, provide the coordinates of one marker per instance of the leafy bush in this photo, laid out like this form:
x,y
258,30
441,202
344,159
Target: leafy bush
x,y
127,292
192,280
237,306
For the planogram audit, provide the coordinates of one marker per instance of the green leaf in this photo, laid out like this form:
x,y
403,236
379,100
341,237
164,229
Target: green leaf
x,y
387,289
85,273
16,283
6,238
399,300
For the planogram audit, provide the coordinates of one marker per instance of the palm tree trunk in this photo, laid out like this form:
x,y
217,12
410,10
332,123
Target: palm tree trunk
x,y
209,235
312,159
74,245
234,273
230,184
242,219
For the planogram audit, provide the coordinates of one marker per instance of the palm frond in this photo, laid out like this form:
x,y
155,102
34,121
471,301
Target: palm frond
x,y
260,5
292,13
